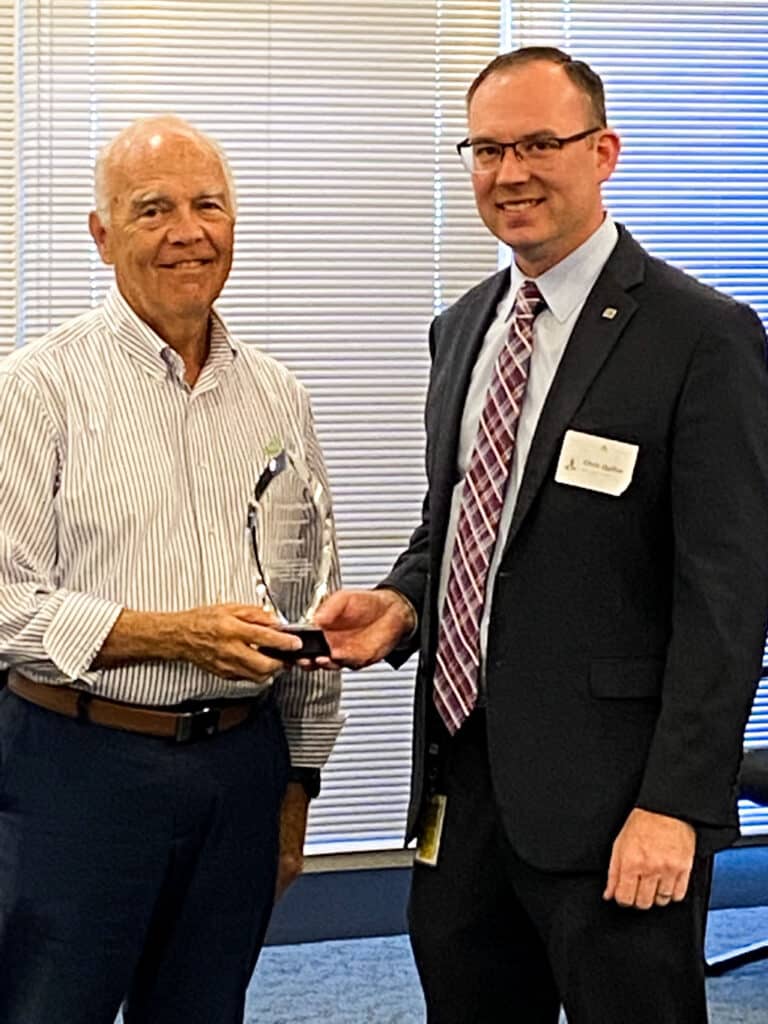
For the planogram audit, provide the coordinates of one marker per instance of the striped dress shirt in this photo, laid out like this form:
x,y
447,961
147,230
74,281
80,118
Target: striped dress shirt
x,y
122,487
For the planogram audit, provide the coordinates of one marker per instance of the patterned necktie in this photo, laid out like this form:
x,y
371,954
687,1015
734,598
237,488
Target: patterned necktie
x,y
485,483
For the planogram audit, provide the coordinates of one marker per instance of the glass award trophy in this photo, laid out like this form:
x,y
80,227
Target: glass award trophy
x,y
291,529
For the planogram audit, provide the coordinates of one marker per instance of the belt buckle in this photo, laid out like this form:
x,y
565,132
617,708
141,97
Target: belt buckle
x,y
197,725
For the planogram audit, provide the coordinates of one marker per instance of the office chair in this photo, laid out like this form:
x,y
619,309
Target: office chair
x,y
753,785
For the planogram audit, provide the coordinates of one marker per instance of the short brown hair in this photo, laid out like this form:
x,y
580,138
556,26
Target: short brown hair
x,y
581,74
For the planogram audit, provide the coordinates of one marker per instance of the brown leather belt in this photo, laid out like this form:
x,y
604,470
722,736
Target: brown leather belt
x,y
180,726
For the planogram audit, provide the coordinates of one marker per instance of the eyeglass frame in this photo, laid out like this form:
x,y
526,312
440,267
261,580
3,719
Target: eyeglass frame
x,y
467,143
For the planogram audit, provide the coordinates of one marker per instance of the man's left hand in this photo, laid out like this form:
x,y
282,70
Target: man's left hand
x,y
651,861
293,828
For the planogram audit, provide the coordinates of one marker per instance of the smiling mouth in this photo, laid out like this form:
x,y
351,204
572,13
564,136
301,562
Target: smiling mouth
x,y
514,205
185,265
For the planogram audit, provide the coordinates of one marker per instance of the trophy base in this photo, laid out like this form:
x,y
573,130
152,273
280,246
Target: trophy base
x,y
313,644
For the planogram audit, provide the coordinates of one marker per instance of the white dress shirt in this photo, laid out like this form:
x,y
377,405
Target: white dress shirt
x,y
123,487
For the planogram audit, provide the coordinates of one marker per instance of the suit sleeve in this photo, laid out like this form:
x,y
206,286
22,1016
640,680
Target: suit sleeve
x,y
719,508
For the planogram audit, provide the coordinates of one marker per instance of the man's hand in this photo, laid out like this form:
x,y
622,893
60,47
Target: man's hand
x,y
293,828
223,639
362,626
651,861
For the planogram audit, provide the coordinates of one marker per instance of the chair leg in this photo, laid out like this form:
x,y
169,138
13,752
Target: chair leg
x,y
717,965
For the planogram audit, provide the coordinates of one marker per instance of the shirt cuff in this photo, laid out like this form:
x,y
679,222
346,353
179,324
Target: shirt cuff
x,y
309,779
77,632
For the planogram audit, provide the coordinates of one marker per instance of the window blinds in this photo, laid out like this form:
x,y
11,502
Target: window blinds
x,y
356,221
8,196
355,224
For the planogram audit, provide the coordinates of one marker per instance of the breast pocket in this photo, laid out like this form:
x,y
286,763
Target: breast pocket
x,y
625,425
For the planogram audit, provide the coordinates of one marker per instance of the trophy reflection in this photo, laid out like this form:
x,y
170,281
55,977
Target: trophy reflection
x,y
291,528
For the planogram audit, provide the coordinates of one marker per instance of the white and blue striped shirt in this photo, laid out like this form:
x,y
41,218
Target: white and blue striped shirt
x,y
122,487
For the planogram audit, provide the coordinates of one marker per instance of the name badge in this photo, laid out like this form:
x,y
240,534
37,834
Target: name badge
x,y
596,463
431,831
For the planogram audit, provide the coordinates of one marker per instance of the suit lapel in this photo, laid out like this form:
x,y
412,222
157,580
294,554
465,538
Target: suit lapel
x,y
602,321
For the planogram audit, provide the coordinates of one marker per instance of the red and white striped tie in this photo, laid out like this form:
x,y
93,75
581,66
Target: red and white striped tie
x,y
485,483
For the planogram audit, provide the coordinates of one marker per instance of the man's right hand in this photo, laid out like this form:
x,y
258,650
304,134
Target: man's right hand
x,y
363,626
223,639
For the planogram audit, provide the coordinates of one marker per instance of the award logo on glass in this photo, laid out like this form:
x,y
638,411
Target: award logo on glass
x,y
291,529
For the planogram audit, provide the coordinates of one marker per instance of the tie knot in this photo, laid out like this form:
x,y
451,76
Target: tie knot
x,y
529,300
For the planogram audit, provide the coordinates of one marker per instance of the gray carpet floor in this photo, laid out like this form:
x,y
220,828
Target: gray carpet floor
x,y
373,981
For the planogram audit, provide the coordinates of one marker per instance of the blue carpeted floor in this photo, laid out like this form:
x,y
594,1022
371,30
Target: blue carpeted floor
x,y
373,981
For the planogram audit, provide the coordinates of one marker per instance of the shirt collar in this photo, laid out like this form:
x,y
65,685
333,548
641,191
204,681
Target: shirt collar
x,y
153,353
566,286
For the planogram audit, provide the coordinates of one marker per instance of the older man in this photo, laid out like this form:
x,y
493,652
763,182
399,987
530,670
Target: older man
x,y
591,580
146,781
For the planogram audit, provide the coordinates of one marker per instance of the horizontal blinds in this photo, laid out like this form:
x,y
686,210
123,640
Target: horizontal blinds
x,y
687,89
355,225
8,197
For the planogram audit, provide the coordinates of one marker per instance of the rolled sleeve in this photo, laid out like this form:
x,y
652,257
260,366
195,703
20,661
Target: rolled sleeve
x,y
77,632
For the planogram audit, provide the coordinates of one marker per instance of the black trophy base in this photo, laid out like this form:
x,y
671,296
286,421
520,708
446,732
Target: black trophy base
x,y
313,644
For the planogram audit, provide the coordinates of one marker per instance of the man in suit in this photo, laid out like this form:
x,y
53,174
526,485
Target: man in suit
x,y
587,590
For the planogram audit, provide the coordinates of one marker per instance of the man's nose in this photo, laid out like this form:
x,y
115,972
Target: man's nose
x,y
186,226
512,169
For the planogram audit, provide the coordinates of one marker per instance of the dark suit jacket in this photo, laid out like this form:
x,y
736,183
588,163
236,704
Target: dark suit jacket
x,y
626,632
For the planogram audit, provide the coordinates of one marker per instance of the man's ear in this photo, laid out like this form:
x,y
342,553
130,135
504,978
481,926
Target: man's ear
x,y
608,147
100,235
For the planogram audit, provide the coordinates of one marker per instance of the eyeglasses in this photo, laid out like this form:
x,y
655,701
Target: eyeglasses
x,y
485,155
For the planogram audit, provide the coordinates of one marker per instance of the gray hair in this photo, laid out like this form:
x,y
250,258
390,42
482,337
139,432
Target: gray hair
x,y
124,138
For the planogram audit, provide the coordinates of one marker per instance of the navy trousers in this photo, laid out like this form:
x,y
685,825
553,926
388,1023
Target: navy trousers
x,y
497,941
133,868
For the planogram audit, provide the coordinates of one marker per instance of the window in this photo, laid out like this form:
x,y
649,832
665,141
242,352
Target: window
x,y
357,224
8,198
